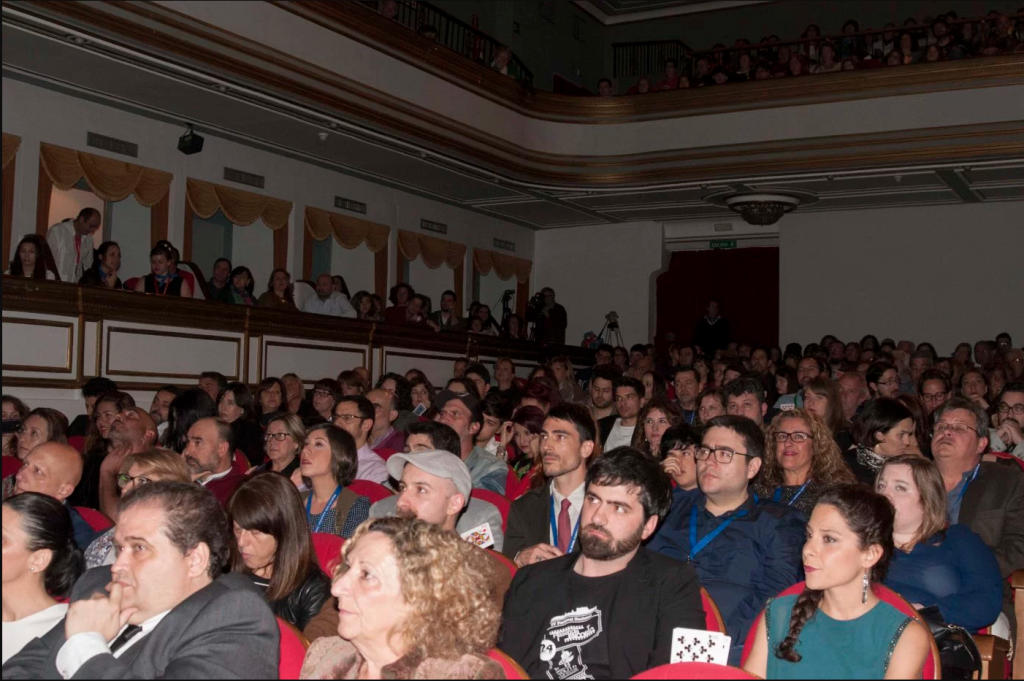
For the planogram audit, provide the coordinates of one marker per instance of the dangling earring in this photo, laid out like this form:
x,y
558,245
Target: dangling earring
x,y
864,597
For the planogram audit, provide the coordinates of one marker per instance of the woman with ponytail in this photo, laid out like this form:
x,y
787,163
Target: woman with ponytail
x,y
837,627
40,563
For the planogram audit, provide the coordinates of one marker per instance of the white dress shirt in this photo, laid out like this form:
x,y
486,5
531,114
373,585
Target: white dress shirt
x,y
336,305
19,633
71,264
620,436
81,648
575,508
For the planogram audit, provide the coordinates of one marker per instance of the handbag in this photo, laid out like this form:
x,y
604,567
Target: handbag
x,y
958,653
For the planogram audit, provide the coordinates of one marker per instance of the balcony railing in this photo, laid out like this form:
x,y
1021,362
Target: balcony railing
x,y
456,35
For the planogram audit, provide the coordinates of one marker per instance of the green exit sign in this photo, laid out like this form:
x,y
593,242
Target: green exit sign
x,y
723,243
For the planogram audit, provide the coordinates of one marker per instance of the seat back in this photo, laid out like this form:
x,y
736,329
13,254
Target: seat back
x,y
293,650
932,666
1006,456
78,442
94,518
191,273
131,283
512,569
302,291
695,670
501,503
712,615
385,453
11,465
372,490
512,668
328,550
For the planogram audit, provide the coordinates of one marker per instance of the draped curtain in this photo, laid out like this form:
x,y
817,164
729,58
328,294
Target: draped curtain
x,y
110,179
348,231
435,252
239,206
11,144
505,266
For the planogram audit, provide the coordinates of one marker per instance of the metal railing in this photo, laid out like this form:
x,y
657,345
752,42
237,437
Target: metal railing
x,y
452,33
647,58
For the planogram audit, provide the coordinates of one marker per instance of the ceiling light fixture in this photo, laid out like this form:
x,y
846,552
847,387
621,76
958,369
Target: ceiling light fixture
x,y
761,208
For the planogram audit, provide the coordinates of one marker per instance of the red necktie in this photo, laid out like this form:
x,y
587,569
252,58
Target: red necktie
x,y
564,528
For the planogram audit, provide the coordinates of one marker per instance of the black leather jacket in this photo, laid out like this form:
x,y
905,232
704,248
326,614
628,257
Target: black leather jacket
x,y
301,605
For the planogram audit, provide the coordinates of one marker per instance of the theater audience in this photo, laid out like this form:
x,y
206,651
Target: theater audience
x,y
744,552
295,401
30,259
657,416
883,379
974,387
284,439
1009,424
240,288
235,405
853,393
801,461
415,602
160,407
630,597
328,466
745,397
936,564
383,435
687,384
565,378
326,393
212,383
352,383
527,423
328,301
137,469
678,446
460,412
617,430
14,412
921,437
219,278
187,408
161,281
71,242
279,294
105,267
837,627
270,398
883,430
711,403
355,415
210,624
601,391
209,456
822,401
496,430
131,432
41,563
273,548
447,317
40,426
55,470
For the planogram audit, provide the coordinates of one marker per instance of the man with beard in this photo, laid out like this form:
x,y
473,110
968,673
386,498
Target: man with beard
x,y
161,406
609,610
208,455
602,393
132,432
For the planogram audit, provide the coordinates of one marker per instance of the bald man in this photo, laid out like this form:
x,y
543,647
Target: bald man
x,y
853,393
328,301
132,432
55,470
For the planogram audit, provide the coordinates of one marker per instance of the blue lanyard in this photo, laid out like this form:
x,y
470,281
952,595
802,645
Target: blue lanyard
x,y
691,418
695,546
323,513
777,497
963,490
554,528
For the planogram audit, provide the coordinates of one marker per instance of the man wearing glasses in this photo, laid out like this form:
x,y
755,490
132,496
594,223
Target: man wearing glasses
x,y
744,552
985,496
355,414
1010,407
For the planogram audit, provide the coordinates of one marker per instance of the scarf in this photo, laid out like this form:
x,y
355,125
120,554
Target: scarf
x,y
870,460
160,279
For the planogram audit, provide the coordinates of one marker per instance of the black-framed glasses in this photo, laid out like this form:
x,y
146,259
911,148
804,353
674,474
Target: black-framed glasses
x,y
344,418
798,437
1005,408
275,436
123,480
937,398
723,455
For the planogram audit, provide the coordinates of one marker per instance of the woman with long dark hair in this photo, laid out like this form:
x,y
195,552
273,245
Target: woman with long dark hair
x,y
273,548
105,267
235,405
104,412
279,294
41,563
837,627
328,465
240,287
30,259
187,408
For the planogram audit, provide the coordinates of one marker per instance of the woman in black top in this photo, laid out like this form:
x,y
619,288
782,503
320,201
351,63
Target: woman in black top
x,y
274,548
161,281
284,439
235,405
105,267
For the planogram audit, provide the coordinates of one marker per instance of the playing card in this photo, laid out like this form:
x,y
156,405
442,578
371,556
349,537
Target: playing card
x,y
694,645
480,535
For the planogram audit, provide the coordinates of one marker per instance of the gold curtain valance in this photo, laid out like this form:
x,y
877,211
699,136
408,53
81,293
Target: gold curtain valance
x,y
506,266
348,231
11,144
109,178
435,251
239,206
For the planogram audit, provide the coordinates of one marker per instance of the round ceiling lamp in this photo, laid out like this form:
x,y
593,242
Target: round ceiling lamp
x,y
762,208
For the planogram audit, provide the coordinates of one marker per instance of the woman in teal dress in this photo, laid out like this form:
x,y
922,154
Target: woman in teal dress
x,y
837,627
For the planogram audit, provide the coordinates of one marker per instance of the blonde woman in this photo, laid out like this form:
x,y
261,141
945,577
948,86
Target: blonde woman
x,y
801,461
414,602
568,388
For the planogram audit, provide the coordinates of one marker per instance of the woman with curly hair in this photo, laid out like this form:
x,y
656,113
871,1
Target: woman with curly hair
x,y
838,627
801,461
656,416
415,602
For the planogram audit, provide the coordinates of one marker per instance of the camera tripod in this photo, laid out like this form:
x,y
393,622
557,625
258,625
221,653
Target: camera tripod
x,y
614,334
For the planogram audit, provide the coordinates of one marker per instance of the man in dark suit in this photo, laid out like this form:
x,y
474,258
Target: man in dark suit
x,y
541,523
609,612
986,496
163,609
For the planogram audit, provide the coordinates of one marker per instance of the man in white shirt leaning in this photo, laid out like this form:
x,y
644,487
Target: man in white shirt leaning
x,y
72,244
328,301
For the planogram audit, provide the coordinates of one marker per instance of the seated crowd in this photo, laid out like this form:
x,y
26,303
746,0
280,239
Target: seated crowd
x,y
61,256
571,524
945,37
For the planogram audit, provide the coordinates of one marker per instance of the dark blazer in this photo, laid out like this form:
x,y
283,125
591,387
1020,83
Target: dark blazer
x,y
605,426
529,522
223,631
656,595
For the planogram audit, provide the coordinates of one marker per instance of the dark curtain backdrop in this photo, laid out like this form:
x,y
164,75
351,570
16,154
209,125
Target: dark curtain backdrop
x,y
744,281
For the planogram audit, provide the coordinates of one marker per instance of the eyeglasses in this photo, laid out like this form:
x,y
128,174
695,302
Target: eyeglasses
x,y
1017,409
275,436
123,480
958,428
723,455
798,437
322,393
344,418
891,381
937,398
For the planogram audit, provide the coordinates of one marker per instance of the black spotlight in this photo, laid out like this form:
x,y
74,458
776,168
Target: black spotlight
x,y
190,142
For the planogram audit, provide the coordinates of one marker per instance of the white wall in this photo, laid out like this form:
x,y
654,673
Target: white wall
x,y
491,289
356,265
39,115
594,270
130,228
430,283
253,246
942,274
